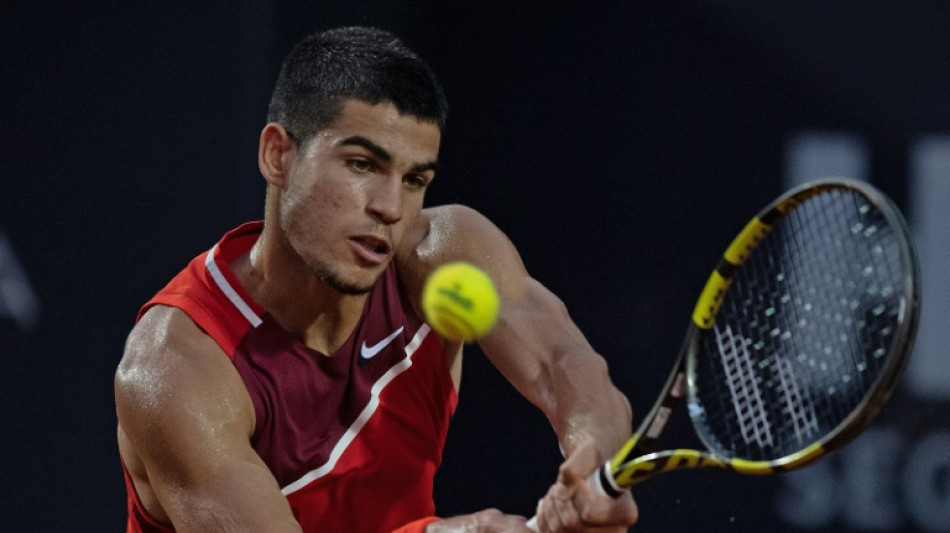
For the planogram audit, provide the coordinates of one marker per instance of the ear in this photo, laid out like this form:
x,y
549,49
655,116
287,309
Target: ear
x,y
275,154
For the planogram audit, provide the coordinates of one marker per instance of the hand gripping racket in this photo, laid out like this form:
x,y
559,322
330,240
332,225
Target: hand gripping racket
x,y
797,340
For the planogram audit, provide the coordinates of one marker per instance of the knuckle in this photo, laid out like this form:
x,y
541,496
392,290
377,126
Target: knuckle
x,y
489,514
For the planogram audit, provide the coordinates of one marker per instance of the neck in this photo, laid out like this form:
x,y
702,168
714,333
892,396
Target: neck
x,y
302,304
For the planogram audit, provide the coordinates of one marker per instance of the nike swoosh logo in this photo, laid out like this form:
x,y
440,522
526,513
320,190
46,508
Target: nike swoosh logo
x,y
369,352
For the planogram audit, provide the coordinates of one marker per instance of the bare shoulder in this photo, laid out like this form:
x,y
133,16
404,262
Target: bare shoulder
x,y
185,423
450,233
454,233
169,363
165,341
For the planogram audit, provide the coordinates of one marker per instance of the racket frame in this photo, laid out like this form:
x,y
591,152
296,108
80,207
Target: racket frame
x,y
633,463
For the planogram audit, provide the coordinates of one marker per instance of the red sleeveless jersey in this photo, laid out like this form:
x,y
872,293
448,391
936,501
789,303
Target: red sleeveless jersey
x,y
353,439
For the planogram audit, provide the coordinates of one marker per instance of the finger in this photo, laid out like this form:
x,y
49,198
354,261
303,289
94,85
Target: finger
x,y
565,515
519,524
578,466
595,508
551,509
623,510
547,519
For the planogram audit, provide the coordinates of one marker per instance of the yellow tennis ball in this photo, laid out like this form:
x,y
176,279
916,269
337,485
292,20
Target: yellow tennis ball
x,y
460,302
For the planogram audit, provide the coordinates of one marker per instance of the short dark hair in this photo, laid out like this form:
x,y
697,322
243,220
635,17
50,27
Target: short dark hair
x,y
366,64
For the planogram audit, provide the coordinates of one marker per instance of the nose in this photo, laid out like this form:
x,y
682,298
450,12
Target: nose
x,y
385,200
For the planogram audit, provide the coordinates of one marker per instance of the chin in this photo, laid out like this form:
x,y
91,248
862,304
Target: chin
x,y
350,286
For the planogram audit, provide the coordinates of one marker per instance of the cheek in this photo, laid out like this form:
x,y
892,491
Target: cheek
x,y
305,210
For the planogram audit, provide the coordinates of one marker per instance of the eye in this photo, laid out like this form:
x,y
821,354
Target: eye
x,y
359,165
415,181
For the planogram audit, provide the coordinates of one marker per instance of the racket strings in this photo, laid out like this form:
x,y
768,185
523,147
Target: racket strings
x,y
803,331
751,412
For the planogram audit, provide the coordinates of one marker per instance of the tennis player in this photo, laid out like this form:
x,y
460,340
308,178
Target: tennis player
x,y
284,380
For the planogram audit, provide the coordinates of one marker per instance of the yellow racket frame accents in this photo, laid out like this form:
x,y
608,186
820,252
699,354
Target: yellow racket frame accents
x,y
647,466
633,463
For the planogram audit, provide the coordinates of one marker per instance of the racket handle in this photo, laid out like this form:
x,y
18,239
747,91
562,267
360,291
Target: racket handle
x,y
600,481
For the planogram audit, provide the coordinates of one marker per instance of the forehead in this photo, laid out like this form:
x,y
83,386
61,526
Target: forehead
x,y
386,126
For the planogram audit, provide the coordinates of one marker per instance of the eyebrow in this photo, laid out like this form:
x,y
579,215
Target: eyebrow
x,y
383,154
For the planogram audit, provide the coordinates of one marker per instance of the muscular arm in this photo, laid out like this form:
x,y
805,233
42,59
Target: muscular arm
x,y
535,345
185,421
540,350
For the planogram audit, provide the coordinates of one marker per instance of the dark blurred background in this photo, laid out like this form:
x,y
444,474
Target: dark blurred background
x,y
620,145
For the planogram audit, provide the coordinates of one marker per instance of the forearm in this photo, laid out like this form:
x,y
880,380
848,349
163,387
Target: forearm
x,y
543,353
592,420
586,404
239,496
485,520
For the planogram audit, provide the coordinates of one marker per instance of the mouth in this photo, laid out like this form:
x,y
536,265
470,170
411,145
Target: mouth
x,y
372,249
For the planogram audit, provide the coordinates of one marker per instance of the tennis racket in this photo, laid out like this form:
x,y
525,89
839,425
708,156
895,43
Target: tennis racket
x,y
797,340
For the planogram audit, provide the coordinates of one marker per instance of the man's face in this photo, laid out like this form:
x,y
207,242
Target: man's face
x,y
353,189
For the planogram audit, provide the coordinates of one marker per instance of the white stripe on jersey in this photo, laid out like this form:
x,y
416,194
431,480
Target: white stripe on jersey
x,y
350,435
229,291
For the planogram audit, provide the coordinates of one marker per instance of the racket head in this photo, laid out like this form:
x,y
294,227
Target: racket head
x,y
804,327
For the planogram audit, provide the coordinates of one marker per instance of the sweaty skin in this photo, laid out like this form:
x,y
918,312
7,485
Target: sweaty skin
x,y
339,208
